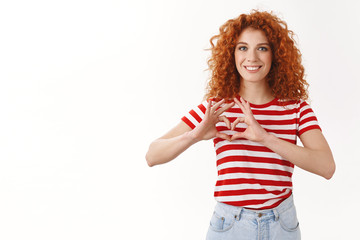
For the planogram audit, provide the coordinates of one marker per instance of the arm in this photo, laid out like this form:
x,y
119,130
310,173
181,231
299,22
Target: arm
x,y
315,156
169,146
181,137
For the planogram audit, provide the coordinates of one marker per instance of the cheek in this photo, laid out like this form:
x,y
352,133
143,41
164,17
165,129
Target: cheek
x,y
269,59
238,60
238,63
268,62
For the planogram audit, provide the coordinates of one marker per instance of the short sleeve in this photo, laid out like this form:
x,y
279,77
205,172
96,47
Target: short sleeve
x,y
307,118
195,115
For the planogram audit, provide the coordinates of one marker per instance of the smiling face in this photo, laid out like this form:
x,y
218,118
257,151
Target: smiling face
x,y
253,55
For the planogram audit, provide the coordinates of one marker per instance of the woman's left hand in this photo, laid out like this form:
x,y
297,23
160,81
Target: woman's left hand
x,y
254,131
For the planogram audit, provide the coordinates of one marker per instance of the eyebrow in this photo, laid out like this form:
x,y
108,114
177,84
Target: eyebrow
x,y
244,43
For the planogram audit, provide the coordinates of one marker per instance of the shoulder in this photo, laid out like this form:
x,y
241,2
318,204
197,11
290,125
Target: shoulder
x,y
299,103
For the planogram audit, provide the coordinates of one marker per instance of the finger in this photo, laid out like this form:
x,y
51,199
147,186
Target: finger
x,y
246,105
241,105
213,109
223,136
208,107
237,136
226,107
237,101
238,120
226,121
242,100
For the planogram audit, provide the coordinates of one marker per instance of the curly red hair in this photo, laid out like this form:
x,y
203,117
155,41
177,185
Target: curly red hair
x,y
286,76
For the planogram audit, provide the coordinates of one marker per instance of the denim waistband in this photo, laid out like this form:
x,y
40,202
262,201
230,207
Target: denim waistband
x,y
253,213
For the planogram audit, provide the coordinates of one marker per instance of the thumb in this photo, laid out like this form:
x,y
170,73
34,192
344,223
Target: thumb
x,y
238,120
237,136
223,136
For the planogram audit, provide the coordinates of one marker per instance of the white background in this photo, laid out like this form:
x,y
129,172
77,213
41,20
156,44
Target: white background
x,y
85,86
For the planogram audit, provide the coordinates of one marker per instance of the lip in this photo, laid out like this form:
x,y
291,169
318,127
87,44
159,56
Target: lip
x,y
252,71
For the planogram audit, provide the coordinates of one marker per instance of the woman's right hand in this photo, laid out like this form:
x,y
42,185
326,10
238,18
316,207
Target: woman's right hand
x,y
181,137
206,129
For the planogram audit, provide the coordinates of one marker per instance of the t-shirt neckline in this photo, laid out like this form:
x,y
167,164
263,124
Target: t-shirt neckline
x,y
272,102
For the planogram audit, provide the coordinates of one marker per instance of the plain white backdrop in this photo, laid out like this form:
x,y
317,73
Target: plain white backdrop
x,y
85,86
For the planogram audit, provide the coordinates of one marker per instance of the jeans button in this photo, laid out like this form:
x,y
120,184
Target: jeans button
x,y
259,215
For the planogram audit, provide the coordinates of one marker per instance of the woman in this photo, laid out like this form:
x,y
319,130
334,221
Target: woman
x,y
254,111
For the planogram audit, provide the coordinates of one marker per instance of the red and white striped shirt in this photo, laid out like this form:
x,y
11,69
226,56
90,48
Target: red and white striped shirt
x,y
251,175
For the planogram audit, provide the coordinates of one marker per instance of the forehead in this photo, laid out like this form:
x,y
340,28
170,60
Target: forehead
x,y
252,35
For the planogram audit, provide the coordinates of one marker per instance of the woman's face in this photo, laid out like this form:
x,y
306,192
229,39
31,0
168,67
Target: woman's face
x,y
253,55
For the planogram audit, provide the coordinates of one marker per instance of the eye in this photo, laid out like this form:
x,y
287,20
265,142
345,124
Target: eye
x,y
242,48
263,48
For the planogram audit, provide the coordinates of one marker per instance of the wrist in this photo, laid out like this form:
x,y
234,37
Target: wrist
x,y
268,138
192,137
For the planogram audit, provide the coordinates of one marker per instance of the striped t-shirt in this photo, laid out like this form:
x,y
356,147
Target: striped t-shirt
x,y
251,175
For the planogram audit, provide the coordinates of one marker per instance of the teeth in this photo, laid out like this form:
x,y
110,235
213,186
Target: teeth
x,y
252,68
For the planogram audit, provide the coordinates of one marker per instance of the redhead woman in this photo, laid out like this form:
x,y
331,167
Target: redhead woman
x,y
254,110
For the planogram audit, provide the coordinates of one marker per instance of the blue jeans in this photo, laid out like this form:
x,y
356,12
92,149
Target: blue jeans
x,y
230,223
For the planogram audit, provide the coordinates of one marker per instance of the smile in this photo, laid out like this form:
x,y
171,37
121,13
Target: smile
x,y
252,68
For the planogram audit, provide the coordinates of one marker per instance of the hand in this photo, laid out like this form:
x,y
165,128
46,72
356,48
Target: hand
x,y
206,129
254,132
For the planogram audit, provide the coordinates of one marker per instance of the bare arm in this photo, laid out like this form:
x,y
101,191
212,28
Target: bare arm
x,y
181,137
169,146
315,156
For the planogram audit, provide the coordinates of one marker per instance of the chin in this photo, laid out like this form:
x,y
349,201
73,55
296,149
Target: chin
x,y
253,79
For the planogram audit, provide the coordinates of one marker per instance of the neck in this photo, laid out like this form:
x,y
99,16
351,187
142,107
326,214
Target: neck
x,y
256,93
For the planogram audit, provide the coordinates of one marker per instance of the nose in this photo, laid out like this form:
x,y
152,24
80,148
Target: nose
x,y
251,56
